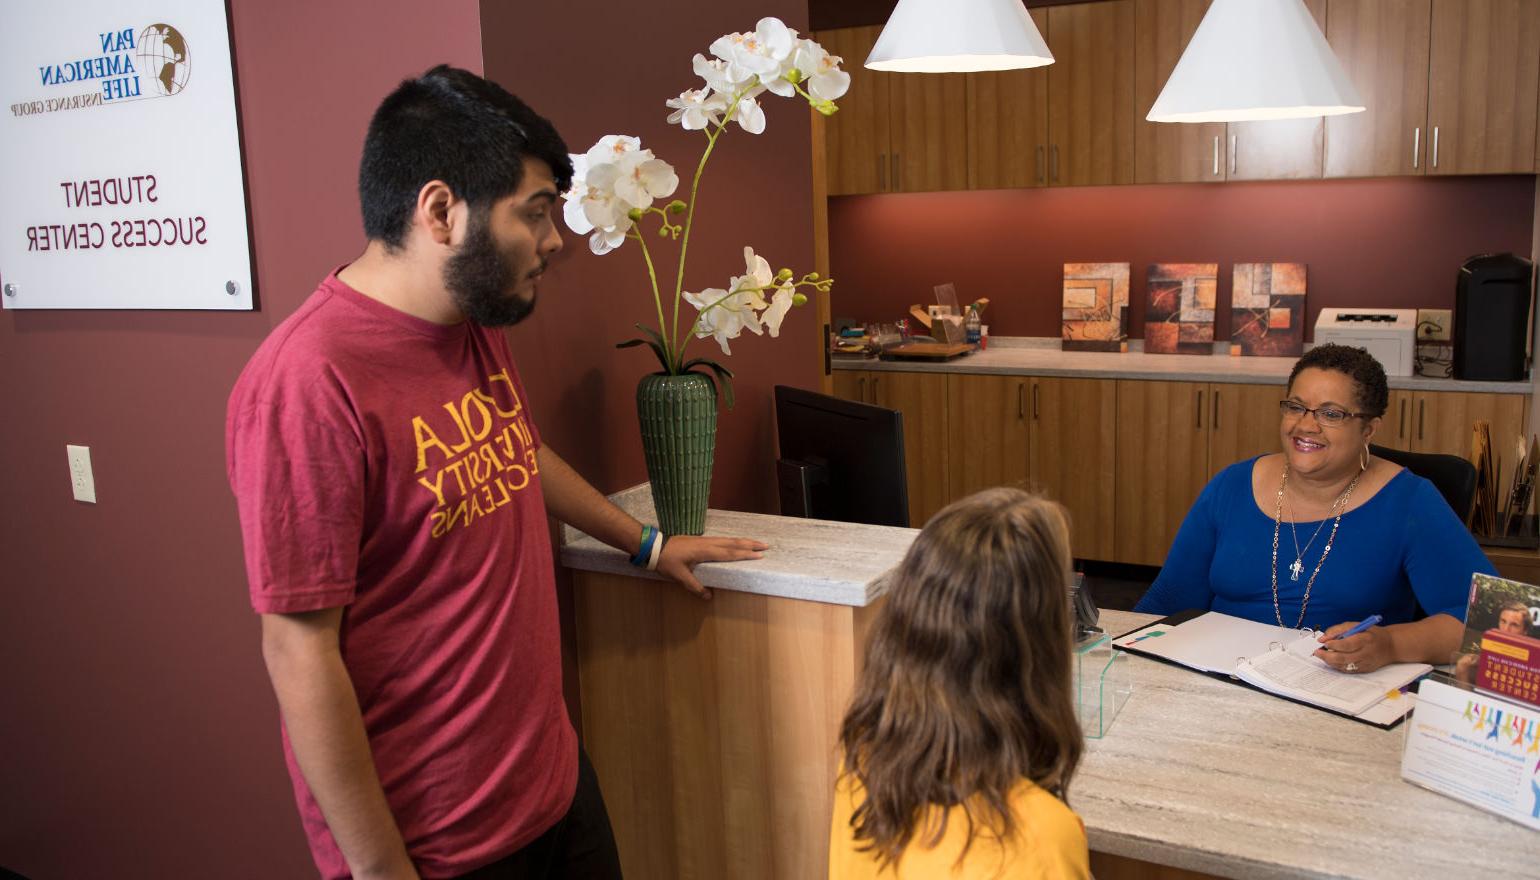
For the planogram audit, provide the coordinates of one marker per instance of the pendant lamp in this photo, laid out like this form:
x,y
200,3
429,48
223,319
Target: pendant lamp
x,y
958,36
1256,59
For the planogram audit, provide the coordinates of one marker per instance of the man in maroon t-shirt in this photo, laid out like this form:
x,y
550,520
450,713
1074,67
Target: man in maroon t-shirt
x,y
393,494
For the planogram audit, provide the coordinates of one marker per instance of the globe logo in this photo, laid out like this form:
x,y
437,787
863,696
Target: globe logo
x,y
163,58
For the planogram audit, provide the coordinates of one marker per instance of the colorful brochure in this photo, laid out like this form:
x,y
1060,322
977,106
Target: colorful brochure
x,y
1476,748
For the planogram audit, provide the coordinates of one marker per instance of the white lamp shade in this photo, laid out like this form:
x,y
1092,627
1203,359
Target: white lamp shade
x,y
1256,59
958,36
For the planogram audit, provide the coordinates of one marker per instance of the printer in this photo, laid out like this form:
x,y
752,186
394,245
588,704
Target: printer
x,y
1388,334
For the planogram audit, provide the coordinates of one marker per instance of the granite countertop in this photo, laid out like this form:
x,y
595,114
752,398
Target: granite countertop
x,y
817,560
1036,357
1207,775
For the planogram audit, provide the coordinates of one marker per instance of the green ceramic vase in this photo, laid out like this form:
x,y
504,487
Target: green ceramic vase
x,y
678,416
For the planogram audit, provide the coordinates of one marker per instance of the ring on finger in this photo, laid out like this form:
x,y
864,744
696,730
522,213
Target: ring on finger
x,y
1351,667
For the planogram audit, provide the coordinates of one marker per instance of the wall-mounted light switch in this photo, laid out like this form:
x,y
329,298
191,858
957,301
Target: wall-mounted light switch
x,y
82,483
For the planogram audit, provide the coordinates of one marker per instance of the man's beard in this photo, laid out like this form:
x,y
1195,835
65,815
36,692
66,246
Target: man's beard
x,y
480,279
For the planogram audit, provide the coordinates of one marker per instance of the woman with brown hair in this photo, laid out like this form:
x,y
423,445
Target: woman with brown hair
x,y
961,738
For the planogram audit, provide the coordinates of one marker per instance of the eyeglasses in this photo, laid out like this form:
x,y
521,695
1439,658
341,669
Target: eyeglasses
x,y
1326,416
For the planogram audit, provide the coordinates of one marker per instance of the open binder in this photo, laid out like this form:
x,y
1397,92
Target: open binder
x,y
1278,661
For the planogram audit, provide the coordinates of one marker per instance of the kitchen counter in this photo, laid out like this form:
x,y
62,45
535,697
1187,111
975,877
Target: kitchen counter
x,y
1034,357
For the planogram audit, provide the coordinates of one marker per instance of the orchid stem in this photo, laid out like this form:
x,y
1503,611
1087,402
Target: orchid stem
x,y
657,300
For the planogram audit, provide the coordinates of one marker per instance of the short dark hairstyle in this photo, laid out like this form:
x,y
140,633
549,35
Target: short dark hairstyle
x,y
1357,364
451,125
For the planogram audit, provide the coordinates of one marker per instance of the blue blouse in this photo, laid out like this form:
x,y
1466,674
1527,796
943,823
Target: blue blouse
x,y
1402,548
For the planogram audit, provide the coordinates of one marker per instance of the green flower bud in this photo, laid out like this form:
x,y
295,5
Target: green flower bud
x,y
811,276
635,214
798,299
825,106
794,76
663,232
783,275
676,207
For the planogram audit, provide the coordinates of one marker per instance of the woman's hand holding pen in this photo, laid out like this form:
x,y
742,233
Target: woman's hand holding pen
x,y
1357,646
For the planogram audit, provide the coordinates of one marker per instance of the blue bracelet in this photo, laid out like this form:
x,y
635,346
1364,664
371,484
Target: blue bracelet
x,y
649,534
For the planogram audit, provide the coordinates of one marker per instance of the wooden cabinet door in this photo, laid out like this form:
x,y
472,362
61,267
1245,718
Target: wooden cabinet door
x,y
1279,149
1074,456
921,397
1008,125
1445,419
988,432
1164,152
1484,71
927,131
856,138
1162,464
1383,47
1245,422
1398,423
1091,93
853,385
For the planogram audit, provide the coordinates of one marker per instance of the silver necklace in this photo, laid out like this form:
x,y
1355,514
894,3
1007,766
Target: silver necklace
x,y
1278,525
1296,569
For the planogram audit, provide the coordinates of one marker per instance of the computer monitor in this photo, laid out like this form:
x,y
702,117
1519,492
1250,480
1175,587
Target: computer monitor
x,y
840,460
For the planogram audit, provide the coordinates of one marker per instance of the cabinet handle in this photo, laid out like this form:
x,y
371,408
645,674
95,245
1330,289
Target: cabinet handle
x,y
898,185
1040,149
1216,409
1234,141
1416,150
1053,170
1422,406
1034,401
1021,400
1199,424
875,380
1435,157
1401,430
1216,165
861,389
882,172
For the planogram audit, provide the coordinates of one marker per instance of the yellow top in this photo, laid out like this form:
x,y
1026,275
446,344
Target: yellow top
x,y
1049,842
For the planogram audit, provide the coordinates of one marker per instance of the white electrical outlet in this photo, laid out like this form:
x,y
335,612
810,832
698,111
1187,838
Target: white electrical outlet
x,y
82,483
1434,325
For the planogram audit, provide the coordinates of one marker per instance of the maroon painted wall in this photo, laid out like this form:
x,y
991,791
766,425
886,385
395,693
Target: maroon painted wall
x,y
1389,242
757,191
139,736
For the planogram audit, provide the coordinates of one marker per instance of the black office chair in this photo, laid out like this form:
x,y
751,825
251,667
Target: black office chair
x,y
1451,475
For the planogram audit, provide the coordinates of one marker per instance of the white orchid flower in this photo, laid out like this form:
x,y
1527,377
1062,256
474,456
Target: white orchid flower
x,y
760,55
610,149
750,116
780,304
697,108
714,72
756,270
647,178
724,315
605,240
821,70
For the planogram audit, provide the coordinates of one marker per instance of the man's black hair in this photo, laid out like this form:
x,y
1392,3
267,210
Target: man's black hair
x,y
451,125
1355,363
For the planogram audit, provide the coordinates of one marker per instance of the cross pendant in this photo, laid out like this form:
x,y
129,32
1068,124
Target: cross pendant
x,y
1296,568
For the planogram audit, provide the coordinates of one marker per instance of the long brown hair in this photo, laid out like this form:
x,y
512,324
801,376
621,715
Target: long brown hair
x,y
966,688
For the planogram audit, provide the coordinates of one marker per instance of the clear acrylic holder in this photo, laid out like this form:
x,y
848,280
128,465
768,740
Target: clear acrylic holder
x,y
1102,684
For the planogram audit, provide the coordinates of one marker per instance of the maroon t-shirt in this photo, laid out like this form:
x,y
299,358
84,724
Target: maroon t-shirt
x,y
388,464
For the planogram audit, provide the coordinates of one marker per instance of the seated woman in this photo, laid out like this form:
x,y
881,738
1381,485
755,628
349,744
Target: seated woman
x,y
961,738
1324,535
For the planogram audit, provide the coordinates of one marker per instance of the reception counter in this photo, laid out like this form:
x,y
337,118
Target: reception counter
x,y
713,729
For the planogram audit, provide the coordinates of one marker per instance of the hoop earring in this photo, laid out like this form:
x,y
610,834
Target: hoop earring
x,y
1363,463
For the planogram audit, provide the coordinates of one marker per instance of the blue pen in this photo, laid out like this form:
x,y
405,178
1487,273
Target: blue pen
x,y
1372,620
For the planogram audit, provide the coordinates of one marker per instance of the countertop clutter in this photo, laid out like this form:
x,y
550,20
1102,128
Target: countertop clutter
x,y
1043,357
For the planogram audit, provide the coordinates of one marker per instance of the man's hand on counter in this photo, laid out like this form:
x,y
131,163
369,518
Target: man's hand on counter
x,y
681,553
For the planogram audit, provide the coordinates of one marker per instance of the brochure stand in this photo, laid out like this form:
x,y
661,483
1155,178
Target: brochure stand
x,y
1475,747
1102,684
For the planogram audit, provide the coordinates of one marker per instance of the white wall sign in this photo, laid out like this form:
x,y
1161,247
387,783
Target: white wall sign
x,y
120,159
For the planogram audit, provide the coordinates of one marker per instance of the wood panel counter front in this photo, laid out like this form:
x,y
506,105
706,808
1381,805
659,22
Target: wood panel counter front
x,y
712,726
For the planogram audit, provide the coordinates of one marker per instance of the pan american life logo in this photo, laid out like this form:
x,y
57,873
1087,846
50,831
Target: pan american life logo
x,y
125,64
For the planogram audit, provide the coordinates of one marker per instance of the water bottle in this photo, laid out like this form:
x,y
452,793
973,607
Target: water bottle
x,y
973,326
